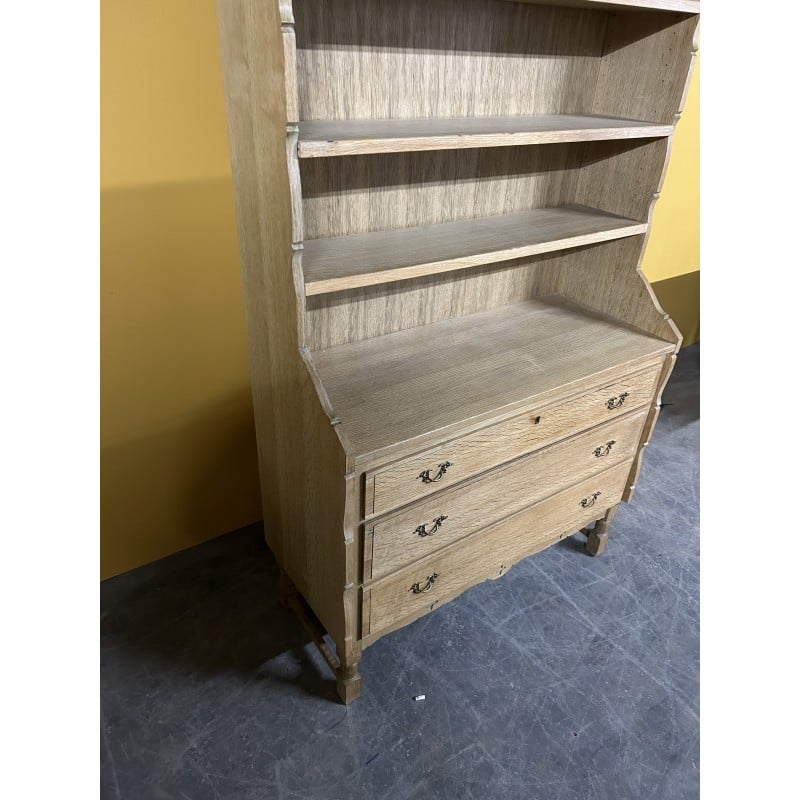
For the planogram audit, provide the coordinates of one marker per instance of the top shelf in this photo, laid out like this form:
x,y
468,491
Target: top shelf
x,y
322,138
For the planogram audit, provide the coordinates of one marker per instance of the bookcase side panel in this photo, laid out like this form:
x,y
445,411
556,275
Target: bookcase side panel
x,y
646,65
301,461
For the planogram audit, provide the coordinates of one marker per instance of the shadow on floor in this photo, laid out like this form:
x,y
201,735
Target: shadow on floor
x,y
224,618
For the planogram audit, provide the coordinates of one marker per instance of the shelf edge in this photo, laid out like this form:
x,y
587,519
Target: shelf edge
x,y
391,275
319,148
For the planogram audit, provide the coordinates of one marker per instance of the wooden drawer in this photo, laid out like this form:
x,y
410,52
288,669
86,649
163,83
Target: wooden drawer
x,y
414,532
444,465
418,589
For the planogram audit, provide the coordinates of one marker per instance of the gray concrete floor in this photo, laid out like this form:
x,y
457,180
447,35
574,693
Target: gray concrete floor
x,y
571,677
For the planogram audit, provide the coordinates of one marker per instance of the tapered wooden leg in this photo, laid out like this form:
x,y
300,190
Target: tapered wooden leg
x,y
597,537
348,682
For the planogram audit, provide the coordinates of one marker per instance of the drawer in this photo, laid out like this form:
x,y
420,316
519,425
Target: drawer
x,y
418,589
414,532
445,465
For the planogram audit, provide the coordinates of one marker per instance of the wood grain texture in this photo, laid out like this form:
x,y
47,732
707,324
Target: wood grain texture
x,y
304,499
295,185
395,541
426,59
646,60
616,287
367,378
368,193
621,177
683,6
320,139
290,74
348,262
359,194
517,354
399,483
286,12
390,603
647,431
336,319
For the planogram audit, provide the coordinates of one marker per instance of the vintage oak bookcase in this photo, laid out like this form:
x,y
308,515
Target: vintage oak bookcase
x,y
442,210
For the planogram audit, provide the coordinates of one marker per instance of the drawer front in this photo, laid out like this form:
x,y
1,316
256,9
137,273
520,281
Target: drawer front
x,y
420,588
405,536
445,465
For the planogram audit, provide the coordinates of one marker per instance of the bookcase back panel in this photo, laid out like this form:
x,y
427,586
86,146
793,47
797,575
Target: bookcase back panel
x,y
358,194
357,314
444,58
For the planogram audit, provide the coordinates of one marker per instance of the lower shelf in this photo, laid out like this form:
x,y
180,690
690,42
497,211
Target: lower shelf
x,y
408,387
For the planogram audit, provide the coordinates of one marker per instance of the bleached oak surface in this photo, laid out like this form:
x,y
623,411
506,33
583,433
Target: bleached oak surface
x,y
401,386
351,137
393,541
493,122
346,262
398,483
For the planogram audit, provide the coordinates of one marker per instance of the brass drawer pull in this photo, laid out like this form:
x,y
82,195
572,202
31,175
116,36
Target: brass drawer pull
x,y
417,589
588,502
616,402
599,452
425,475
421,530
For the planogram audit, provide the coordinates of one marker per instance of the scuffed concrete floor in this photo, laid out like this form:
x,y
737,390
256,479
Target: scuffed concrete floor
x,y
570,677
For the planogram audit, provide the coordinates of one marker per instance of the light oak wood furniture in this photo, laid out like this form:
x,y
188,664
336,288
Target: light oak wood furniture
x,y
442,210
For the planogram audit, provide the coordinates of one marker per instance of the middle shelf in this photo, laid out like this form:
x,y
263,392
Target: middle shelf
x,y
365,259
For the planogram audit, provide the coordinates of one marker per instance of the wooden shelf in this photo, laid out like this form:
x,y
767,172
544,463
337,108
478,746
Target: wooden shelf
x,y
400,387
323,138
366,259
682,6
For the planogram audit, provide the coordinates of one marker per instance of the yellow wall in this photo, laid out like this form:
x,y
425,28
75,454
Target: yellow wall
x,y
178,448
674,244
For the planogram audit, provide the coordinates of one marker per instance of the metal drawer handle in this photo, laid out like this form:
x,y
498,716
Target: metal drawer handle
x,y
425,475
421,530
588,502
616,402
599,452
417,589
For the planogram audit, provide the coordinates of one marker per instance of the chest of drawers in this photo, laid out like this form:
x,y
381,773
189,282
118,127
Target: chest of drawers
x,y
442,210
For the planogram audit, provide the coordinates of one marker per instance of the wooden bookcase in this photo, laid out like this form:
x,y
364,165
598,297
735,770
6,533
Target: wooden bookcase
x,y
442,210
